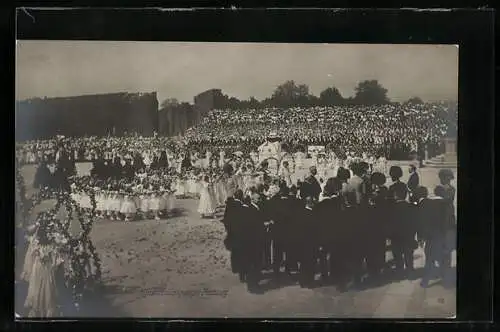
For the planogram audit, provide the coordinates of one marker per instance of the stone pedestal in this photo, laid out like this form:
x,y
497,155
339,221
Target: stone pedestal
x,y
450,154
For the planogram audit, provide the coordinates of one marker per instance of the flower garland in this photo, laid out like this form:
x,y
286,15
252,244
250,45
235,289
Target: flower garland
x,y
84,268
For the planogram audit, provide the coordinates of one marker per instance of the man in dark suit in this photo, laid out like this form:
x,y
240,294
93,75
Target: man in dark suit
x,y
413,182
311,187
328,214
307,257
293,231
395,172
279,213
375,224
254,220
232,220
402,231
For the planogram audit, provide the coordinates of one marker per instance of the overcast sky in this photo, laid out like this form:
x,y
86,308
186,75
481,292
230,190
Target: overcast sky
x,y
182,70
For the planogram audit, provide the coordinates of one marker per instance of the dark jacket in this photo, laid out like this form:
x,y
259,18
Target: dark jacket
x,y
413,182
310,187
232,219
403,223
433,218
329,220
252,232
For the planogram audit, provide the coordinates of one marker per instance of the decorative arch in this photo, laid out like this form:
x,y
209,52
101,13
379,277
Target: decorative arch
x,y
83,270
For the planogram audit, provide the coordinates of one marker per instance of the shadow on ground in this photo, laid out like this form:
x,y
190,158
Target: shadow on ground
x,y
270,281
94,304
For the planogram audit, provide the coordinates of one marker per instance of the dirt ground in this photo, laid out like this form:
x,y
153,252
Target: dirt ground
x,y
179,268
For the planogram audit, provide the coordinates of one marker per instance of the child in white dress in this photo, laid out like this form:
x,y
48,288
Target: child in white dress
x,y
128,208
191,185
107,203
85,203
99,197
199,184
75,195
207,205
115,205
163,200
170,198
144,206
154,202
180,189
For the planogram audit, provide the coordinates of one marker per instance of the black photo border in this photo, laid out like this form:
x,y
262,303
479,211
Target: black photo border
x,y
471,29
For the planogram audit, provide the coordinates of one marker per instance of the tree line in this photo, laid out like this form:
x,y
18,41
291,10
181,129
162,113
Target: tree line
x,y
290,94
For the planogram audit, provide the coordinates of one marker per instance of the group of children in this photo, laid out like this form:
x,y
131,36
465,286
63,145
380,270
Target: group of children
x,y
150,194
119,200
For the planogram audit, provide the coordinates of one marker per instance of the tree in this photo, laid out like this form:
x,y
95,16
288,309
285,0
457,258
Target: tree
x,y
233,103
290,94
331,96
169,102
253,103
371,92
415,101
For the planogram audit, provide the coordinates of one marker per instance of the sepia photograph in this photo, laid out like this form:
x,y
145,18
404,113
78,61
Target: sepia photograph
x,y
235,180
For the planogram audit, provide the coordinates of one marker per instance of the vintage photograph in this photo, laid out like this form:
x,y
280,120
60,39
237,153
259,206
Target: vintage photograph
x,y
235,180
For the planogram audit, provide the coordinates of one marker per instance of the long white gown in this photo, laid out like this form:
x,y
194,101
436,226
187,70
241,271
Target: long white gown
x,y
40,268
207,204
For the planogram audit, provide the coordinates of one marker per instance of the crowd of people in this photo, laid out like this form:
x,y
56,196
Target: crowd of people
x,y
342,230
392,130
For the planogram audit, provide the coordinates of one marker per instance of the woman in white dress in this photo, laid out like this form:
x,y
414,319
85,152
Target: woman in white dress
x,y
220,191
222,158
41,265
299,160
207,206
239,177
247,180
285,174
323,166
